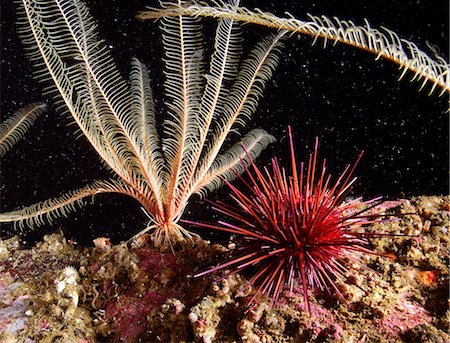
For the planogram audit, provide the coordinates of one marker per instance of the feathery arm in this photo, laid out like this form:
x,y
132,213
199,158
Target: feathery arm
x,y
384,43
13,128
243,97
48,210
183,45
64,42
233,162
223,69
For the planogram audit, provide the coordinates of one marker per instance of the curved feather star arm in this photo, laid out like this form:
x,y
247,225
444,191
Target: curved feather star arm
x,y
242,99
223,70
183,43
144,117
48,50
15,127
234,161
48,210
97,65
385,44
64,43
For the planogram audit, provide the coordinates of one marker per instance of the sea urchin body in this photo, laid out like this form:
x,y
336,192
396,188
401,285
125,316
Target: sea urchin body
x,y
297,227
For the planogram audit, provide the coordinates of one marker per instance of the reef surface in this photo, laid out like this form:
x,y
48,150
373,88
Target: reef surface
x,y
60,292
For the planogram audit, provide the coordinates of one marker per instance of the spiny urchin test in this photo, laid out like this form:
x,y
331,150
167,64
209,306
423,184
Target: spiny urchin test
x,y
298,227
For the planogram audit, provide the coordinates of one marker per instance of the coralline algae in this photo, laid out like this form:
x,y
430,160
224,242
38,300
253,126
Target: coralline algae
x,y
58,292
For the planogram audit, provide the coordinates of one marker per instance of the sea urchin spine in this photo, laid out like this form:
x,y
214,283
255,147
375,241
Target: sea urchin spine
x,y
297,227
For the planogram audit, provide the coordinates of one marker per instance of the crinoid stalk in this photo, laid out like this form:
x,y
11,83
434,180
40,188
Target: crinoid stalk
x,y
298,227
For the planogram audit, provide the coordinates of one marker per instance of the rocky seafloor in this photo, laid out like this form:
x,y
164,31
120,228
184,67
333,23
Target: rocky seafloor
x,y
60,292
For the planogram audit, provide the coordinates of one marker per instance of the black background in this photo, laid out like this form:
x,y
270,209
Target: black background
x,y
340,94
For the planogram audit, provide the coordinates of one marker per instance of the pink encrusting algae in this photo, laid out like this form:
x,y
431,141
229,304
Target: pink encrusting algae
x,y
58,291
298,227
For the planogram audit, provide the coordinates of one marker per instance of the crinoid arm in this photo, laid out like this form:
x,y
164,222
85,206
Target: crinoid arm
x,y
15,127
48,210
241,102
62,40
233,162
383,43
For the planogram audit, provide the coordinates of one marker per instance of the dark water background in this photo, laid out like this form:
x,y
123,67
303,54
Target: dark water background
x,y
340,94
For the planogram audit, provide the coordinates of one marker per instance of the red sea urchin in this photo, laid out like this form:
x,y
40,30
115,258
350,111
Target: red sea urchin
x,y
297,227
